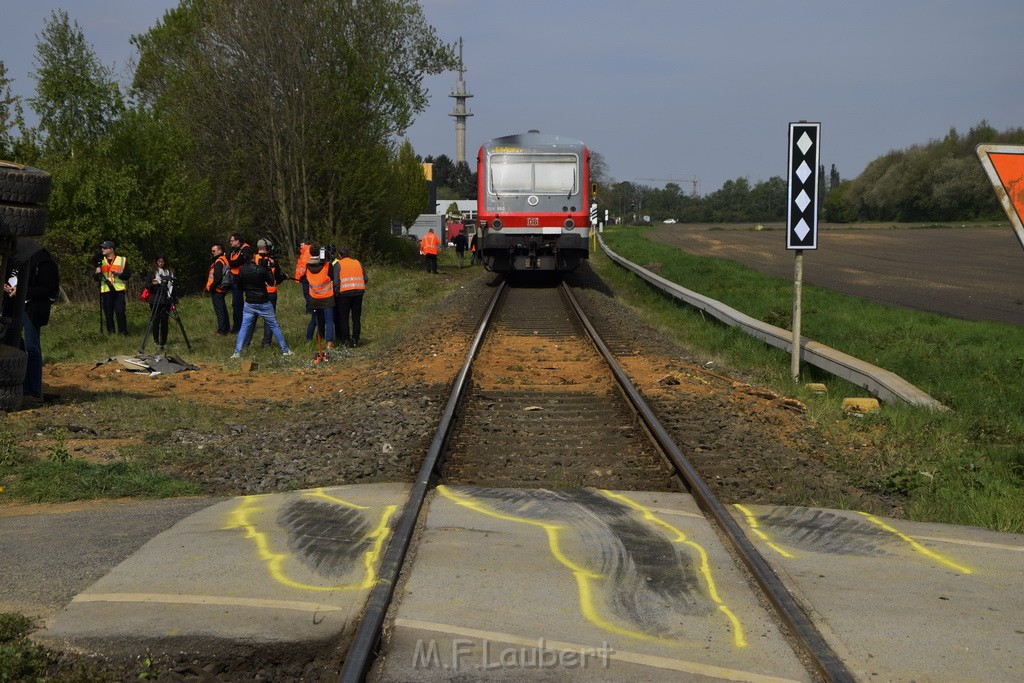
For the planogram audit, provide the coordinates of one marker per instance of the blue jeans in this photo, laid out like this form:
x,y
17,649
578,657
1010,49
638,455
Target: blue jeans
x,y
266,328
324,318
33,385
249,314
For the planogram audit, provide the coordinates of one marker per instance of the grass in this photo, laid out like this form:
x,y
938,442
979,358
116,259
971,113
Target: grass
x,y
965,466
396,298
23,660
393,295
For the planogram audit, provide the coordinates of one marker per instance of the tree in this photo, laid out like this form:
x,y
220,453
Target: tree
x,y
411,186
294,106
9,115
599,169
443,170
463,181
77,99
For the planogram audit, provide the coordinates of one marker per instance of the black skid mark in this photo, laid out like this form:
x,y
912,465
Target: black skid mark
x,y
825,532
649,581
329,538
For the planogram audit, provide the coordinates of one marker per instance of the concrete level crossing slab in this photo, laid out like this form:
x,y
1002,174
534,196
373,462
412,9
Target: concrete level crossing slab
x,y
269,569
901,600
577,585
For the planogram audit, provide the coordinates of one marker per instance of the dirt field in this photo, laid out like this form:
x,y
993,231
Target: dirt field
x,y
969,273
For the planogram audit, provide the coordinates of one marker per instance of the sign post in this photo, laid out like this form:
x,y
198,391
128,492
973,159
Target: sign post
x,y
1004,165
801,214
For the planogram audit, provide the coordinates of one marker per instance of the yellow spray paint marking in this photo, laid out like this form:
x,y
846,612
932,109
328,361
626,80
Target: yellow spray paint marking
x,y
756,528
917,546
739,638
241,518
584,577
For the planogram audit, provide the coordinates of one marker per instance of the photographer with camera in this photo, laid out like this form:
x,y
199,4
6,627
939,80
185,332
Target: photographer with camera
x,y
161,298
320,276
265,255
112,273
255,278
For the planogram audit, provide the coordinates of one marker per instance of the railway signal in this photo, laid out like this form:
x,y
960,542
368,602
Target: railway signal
x,y
1004,165
802,214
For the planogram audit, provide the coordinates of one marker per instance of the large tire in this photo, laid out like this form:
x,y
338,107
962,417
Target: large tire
x,y
13,362
11,397
17,220
23,184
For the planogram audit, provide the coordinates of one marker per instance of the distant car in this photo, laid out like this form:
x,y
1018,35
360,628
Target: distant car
x,y
669,221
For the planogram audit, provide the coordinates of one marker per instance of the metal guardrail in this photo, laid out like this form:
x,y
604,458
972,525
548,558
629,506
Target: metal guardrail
x,y
886,385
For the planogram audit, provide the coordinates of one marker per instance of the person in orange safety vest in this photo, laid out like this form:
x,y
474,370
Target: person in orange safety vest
x,y
320,276
218,295
350,285
300,277
428,247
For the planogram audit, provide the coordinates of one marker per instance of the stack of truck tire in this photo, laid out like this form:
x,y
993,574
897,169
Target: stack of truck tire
x,y
23,194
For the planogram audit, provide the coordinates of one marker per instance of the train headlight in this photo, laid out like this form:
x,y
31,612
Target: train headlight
x,y
569,224
496,224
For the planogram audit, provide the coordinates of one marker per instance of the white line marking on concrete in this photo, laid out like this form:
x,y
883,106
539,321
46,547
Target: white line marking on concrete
x,y
172,599
681,513
980,544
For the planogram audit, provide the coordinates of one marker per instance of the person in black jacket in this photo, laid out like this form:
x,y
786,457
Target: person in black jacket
x,y
41,279
264,255
240,253
254,277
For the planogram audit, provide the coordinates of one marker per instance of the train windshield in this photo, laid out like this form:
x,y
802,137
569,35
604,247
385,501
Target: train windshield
x,y
533,174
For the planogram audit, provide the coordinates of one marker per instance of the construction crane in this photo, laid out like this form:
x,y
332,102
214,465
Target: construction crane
x,y
694,181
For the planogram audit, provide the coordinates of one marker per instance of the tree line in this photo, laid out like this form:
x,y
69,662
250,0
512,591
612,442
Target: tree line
x,y
275,120
281,120
938,181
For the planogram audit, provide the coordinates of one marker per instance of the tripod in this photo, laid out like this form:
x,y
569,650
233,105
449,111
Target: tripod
x,y
159,298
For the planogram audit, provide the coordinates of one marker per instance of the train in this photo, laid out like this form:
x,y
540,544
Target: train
x,y
533,203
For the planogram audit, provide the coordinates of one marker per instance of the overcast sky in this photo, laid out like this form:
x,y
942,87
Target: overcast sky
x,y
676,88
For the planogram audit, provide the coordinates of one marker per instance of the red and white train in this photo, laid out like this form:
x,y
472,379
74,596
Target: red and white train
x,y
533,202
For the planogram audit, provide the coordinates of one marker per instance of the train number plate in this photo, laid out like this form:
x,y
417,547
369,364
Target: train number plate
x,y
532,222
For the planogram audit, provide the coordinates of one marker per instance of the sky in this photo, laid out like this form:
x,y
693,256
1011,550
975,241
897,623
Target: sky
x,y
674,89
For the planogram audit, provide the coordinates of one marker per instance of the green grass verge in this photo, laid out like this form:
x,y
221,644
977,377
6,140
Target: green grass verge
x,y
965,466
396,298
23,660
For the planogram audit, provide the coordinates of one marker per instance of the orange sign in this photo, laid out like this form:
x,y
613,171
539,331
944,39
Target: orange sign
x,y
1005,167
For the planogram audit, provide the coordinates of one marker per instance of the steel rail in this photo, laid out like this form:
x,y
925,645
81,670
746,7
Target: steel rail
x,y
367,637
814,645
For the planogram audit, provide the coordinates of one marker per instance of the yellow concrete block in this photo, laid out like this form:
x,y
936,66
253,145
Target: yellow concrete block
x,y
817,388
860,405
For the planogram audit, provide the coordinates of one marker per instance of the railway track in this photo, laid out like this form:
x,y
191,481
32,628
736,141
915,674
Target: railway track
x,y
541,402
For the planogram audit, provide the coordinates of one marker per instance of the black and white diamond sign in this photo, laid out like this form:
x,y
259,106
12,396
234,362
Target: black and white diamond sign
x,y
802,212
